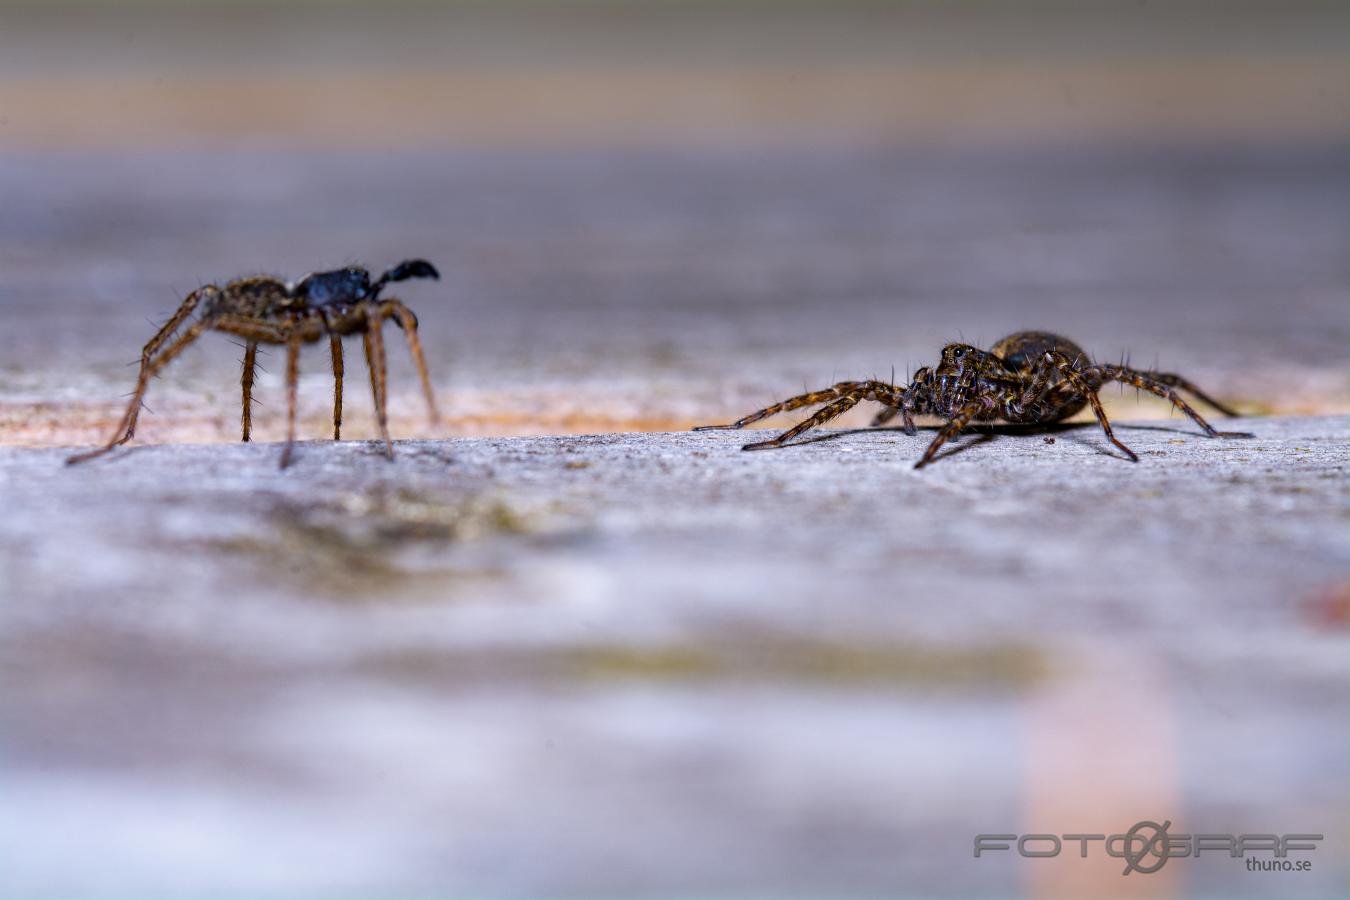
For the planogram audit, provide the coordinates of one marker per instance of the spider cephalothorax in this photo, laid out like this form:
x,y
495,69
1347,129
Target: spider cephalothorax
x,y
266,310
1031,377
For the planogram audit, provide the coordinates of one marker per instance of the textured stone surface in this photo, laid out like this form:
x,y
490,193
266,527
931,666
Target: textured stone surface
x,y
654,662
650,664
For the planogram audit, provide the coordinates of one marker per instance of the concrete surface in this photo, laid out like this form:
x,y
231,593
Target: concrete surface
x,y
655,664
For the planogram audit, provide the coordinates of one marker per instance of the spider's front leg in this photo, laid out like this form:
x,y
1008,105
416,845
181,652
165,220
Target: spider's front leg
x,y
953,427
890,412
834,410
915,398
811,398
148,370
862,390
166,331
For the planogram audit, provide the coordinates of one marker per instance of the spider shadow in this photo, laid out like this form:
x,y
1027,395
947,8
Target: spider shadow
x,y
988,432
364,447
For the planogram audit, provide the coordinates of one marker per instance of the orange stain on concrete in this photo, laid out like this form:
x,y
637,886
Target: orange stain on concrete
x,y
1101,754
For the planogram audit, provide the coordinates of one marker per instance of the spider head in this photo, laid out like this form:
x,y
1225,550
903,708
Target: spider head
x,y
334,288
957,358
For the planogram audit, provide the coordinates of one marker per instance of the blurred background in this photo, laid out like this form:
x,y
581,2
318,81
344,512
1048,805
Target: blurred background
x,y
647,215
655,214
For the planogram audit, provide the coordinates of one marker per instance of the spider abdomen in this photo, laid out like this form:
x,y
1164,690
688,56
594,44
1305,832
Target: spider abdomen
x,y
1024,353
1024,350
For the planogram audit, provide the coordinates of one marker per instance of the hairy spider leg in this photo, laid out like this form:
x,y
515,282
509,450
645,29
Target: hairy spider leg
x,y
292,334
907,407
395,309
246,381
841,389
949,390
292,390
1176,381
864,390
886,414
148,371
1067,395
1058,402
335,345
833,410
373,340
953,427
185,309
890,412
1155,385
1021,406
1066,368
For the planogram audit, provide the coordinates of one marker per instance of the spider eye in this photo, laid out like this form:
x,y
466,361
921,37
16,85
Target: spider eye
x,y
958,353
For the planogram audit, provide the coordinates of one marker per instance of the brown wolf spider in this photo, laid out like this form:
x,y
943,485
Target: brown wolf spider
x,y
265,310
1031,377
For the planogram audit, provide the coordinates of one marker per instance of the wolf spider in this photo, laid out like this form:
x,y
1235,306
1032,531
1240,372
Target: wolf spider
x,y
1031,377
265,310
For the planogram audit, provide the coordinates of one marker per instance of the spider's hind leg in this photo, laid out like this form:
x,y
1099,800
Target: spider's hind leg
x,y
373,340
1176,381
1163,386
396,310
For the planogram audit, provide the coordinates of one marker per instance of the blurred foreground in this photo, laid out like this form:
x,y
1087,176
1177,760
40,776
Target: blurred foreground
x,y
654,664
